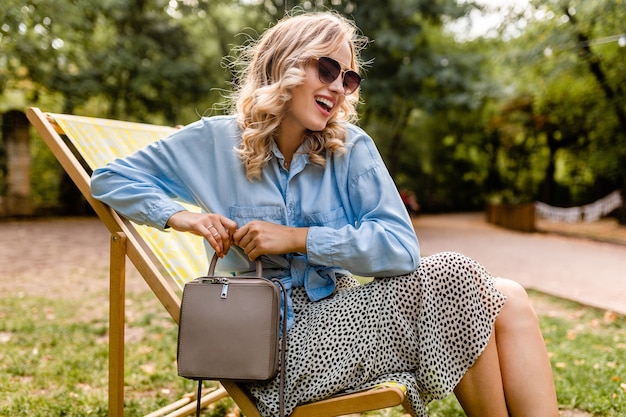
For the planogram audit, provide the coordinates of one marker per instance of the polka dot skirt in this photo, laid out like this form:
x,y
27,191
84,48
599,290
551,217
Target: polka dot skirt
x,y
424,330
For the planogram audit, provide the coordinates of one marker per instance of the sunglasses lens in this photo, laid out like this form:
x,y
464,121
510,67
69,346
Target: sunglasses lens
x,y
328,70
351,81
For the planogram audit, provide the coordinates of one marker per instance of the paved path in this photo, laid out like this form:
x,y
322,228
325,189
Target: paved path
x,y
593,273
67,257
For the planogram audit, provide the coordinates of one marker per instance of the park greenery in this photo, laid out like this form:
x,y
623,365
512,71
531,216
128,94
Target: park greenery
x,y
533,109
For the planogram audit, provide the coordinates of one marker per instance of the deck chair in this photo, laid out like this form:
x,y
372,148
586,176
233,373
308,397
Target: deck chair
x,y
165,261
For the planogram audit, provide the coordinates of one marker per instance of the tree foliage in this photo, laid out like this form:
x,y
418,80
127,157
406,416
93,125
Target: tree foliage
x,y
571,65
535,113
137,59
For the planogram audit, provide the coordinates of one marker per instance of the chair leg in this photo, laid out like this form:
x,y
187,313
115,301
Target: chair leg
x,y
117,297
205,401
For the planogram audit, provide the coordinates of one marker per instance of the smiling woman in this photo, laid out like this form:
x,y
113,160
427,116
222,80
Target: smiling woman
x,y
288,179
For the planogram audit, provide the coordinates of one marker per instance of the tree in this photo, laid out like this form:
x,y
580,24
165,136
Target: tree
x,y
613,92
571,63
453,119
127,59
133,60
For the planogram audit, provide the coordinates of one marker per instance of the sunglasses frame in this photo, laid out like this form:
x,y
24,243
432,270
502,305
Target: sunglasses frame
x,y
336,66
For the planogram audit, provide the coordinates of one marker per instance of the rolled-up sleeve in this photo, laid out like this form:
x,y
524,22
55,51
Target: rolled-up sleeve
x,y
142,187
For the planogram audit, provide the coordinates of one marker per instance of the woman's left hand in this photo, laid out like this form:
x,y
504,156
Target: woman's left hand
x,y
264,238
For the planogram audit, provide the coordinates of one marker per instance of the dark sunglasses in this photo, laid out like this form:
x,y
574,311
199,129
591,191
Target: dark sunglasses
x,y
328,70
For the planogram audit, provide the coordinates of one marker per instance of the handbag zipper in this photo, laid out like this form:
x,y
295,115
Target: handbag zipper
x,y
218,280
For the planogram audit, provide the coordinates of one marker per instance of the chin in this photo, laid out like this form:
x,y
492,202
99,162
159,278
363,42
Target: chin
x,y
318,127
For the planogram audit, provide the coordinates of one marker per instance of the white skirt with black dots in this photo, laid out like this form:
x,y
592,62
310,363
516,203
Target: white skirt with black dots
x,y
423,330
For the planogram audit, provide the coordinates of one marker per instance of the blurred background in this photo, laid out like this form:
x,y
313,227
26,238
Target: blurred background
x,y
472,104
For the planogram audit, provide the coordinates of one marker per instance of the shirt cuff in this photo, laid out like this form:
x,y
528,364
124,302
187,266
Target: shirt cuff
x,y
159,215
319,245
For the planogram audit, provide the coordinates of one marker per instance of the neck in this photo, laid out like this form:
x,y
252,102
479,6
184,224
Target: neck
x,y
288,142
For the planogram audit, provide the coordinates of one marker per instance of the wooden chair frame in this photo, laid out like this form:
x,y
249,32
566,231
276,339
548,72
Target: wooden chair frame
x,y
126,242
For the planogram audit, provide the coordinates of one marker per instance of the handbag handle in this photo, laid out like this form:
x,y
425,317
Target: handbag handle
x,y
259,266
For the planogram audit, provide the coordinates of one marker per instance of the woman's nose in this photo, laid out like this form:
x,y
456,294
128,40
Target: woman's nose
x,y
337,85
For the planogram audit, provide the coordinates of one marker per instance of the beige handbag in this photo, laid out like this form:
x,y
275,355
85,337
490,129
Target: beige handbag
x,y
229,328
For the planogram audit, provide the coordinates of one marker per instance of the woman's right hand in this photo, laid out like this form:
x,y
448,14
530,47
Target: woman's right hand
x,y
215,228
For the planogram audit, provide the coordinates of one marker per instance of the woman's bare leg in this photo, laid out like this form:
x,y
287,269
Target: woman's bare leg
x,y
524,364
480,392
514,371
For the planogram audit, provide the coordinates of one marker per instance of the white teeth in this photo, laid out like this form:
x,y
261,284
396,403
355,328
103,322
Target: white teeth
x,y
325,102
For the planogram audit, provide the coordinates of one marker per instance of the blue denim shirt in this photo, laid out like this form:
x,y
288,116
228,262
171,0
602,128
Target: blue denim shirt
x,y
356,219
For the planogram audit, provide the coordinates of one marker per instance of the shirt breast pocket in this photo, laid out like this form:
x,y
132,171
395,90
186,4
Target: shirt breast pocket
x,y
334,218
242,215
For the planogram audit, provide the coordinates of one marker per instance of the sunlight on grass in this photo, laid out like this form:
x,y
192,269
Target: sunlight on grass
x,y
53,358
588,352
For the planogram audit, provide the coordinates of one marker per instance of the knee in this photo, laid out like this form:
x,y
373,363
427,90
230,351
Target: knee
x,y
512,289
518,310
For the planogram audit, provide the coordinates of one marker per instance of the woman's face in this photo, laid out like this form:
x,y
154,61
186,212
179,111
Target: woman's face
x,y
313,102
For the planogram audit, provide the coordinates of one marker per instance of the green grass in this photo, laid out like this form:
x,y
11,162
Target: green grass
x,y
53,358
588,353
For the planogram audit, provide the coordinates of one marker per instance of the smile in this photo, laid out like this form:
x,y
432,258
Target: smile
x,y
326,103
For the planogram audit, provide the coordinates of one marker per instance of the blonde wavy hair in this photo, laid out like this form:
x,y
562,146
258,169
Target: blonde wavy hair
x,y
268,70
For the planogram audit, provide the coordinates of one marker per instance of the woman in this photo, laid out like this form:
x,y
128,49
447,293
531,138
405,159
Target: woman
x,y
287,178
